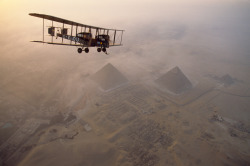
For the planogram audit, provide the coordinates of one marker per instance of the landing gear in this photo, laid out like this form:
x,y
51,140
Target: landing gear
x,y
86,50
102,49
79,50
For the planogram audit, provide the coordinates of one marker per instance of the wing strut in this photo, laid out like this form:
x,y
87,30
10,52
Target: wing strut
x,y
76,31
121,38
62,31
54,31
43,29
71,32
114,38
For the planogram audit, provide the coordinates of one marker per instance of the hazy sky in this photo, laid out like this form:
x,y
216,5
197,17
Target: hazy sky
x,y
127,14
160,30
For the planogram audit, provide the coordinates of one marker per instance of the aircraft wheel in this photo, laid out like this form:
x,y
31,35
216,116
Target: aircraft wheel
x,y
99,49
104,49
86,50
79,50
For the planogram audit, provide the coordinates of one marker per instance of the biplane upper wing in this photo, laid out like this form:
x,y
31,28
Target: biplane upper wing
x,y
64,21
115,35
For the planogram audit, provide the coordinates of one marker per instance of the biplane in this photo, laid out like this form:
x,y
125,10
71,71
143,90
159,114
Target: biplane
x,y
70,33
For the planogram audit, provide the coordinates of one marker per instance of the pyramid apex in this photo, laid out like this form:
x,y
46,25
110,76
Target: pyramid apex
x,y
108,77
176,70
175,81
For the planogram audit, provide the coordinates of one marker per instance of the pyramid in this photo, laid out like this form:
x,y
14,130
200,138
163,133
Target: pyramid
x,y
174,81
109,77
227,79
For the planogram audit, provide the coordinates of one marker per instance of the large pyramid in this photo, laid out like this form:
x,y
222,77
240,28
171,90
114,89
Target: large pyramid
x,y
174,81
109,77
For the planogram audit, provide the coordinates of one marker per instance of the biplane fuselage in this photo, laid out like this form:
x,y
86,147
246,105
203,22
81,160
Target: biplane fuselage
x,y
89,37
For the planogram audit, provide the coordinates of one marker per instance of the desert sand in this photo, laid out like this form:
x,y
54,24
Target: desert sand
x,y
130,123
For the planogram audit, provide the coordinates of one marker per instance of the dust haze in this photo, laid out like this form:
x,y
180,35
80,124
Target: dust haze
x,y
176,93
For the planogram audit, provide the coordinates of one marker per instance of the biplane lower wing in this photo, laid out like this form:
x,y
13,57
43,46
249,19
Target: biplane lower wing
x,y
62,44
112,45
80,35
65,44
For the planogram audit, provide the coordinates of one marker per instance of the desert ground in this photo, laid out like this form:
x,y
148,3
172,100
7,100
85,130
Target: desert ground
x,y
183,120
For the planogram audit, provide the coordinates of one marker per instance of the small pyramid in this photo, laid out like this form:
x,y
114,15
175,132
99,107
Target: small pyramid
x,y
109,77
174,81
227,79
